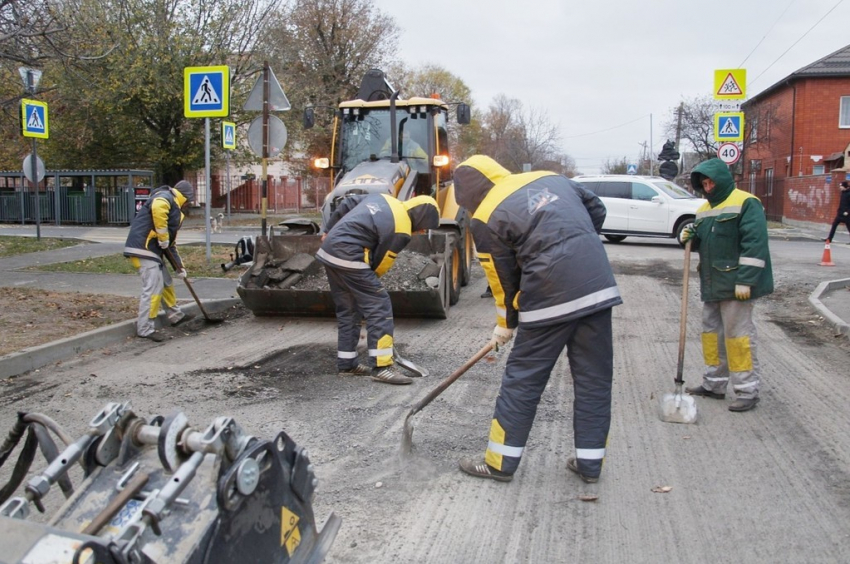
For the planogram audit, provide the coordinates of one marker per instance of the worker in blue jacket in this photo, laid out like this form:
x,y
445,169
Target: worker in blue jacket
x,y
363,237
537,237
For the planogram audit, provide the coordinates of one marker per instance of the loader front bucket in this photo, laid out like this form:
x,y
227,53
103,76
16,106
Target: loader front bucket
x,y
311,297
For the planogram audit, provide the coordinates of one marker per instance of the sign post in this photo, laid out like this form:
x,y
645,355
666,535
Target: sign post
x,y
228,143
206,94
34,124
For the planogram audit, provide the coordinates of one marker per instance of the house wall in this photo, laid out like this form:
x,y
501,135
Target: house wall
x,y
814,127
812,199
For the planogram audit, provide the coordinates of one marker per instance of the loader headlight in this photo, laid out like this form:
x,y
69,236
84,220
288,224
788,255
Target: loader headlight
x,y
440,160
322,162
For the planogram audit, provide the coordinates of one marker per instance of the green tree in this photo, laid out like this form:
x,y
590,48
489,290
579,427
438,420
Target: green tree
x,y
126,110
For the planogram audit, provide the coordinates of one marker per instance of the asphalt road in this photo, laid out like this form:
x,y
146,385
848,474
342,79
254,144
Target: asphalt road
x,y
771,485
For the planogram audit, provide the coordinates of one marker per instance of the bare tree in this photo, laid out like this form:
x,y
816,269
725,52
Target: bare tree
x,y
697,126
515,136
325,47
616,166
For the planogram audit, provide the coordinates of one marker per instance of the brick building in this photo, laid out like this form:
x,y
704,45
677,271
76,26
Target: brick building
x,y
797,145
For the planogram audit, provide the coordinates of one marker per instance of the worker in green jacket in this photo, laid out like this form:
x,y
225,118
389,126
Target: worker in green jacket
x,y
730,233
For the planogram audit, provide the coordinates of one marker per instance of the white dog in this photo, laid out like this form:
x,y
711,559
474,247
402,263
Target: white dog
x,y
217,223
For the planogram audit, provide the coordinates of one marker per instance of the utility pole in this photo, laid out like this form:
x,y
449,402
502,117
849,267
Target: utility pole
x,y
679,113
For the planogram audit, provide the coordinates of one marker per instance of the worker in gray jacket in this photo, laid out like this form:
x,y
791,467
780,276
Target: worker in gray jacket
x,y
362,238
537,238
152,237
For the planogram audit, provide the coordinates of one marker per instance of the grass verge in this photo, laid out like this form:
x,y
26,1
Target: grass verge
x,y
10,246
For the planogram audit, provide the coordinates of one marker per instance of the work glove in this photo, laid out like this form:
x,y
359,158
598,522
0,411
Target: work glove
x,y
688,233
163,243
182,274
501,336
742,292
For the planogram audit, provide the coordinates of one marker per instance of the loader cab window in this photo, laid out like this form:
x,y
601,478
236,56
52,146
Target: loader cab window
x,y
364,133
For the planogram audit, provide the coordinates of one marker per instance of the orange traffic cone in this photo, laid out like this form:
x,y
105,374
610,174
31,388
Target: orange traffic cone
x,y
827,255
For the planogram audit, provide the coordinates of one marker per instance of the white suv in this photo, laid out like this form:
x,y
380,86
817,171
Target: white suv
x,y
642,206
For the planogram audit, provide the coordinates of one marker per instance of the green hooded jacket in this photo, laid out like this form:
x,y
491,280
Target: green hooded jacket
x,y
731,237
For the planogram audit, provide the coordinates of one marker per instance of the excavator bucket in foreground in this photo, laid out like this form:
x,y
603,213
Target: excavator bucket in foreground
x,y
284,281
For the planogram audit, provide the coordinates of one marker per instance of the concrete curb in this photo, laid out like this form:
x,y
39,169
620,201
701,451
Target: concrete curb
x,y
841,328
32,358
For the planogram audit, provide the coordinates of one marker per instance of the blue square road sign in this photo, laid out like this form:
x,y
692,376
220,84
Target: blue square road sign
x,y
206,91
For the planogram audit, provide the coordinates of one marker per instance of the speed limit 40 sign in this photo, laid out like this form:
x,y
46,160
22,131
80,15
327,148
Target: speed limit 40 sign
x,y
729,153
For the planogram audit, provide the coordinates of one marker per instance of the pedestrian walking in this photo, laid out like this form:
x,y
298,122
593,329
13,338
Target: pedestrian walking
x,y
153,234
843,213
730,234
537,238
362,238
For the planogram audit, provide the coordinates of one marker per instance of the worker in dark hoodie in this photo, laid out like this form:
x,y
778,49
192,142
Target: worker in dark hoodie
x,y
537,238
362,238
730,233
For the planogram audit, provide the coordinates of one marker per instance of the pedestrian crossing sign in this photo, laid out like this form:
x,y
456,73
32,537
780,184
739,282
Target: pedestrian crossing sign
x,y
729,126
206,91
34,119
730,84
228,135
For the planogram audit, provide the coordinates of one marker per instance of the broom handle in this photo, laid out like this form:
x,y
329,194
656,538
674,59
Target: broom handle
x,y
684,315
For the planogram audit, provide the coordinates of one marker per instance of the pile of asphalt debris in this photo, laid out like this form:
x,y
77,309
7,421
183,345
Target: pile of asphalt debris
x,y
410,272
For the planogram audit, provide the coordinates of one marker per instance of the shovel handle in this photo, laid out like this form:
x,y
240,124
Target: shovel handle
x,y
450,379
188,284
683,317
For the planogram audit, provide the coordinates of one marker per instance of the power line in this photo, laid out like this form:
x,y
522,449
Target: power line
x,y
610,128
801,38
766,34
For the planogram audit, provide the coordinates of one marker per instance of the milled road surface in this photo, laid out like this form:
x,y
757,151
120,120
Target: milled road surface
x,y
771,485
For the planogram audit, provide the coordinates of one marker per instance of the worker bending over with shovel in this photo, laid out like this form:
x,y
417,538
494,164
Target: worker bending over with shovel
x,y
363,236
153,232
537,238
730,233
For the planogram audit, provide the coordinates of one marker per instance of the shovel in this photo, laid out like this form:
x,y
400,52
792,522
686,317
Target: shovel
x,y
407,435
414,369
678,407
192,291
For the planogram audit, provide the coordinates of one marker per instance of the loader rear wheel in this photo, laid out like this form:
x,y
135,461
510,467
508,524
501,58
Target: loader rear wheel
x,y
455,274
466,250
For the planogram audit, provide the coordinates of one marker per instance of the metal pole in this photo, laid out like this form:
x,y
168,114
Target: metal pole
x,y
651,164
207,182
265,182
227,172
35,181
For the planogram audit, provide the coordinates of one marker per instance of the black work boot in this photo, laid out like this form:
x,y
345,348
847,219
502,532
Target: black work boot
x,y
359,370
156,336
390,375
700,391
483,470
572,466
743,404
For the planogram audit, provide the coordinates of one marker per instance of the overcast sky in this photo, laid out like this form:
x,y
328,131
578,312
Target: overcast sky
x,y
600,68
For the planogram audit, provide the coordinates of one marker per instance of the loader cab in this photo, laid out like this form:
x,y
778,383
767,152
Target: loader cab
x,y
365,134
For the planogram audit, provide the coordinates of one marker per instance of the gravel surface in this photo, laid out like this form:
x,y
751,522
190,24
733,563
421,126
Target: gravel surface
x,y
771,485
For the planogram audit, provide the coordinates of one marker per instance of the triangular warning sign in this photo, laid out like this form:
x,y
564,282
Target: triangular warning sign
x,y
34,121
729,87
729,128
205,94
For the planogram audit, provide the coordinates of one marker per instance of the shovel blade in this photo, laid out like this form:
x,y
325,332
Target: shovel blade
x,y
678,408
414,369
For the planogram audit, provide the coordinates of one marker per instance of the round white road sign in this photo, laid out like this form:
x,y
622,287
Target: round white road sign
x,y
729,153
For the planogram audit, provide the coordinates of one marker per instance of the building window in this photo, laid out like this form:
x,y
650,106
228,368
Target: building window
x,y
817,169
754,130
844,112
768,181
752,182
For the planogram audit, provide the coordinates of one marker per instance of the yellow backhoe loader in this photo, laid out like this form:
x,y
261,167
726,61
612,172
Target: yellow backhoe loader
x,y
381,144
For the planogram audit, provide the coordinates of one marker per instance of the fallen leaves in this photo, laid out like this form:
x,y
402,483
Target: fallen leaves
x,y
662,489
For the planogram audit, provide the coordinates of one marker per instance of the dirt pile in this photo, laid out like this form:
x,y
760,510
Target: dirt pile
x,y
410,272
